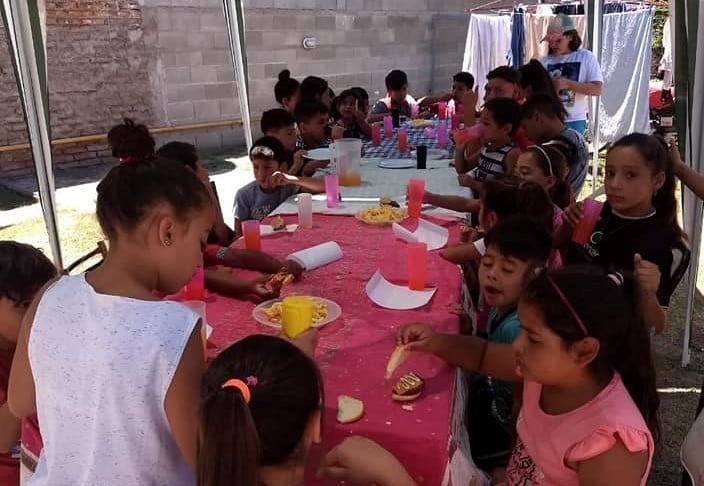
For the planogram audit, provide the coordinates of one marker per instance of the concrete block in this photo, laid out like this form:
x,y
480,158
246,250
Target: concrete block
x,y
273,70
219,91
207,110
204,74
224,73
178,75
344,21
379,21
229,108
362,22
163,18
200,40
181,93
326,4
221,39
259,3
305,23
172,40
258,20
185,20
354,5
324,21
215,57
213,21
182,111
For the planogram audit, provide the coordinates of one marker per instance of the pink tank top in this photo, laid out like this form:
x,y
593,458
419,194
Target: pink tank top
x,y
579,435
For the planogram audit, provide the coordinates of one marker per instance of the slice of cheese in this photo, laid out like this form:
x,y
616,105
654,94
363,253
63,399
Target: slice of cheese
x,y
349,409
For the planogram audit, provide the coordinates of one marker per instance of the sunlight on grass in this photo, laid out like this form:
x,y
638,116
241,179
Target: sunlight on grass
x,y
79,233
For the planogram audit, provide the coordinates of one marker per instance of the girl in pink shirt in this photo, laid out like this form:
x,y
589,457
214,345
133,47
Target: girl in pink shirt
x,y
589,411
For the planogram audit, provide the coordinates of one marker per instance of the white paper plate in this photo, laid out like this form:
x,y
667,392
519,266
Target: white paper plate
x,y
318,154
334,311
397,164
433,154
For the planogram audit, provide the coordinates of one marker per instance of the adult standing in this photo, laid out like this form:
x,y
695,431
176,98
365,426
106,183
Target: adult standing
x,y
575,71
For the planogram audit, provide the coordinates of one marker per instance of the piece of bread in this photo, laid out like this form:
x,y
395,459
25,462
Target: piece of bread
x,y
409,387
278,223
399,355
387,201
349,409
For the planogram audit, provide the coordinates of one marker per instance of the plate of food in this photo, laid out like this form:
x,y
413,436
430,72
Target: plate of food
x,y
318,154
269,313
420,123
397,164
382,215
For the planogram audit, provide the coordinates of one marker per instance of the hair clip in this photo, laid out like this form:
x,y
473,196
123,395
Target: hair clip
x,y
616,278
241,386
252,381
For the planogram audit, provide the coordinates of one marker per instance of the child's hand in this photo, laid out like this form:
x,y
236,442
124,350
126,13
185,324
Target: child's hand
x,y
279,178
360,116
418,337
265,291
470,99
294,268
573,214
647,274
338,132
362,461
677,162
467,180
467,232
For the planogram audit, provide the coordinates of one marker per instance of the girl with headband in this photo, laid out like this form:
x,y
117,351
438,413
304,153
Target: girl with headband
x,y
589,408
261,411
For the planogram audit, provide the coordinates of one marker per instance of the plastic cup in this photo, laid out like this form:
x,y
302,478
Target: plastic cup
x,y
296,315
583,231
442,133
252,235
421,156
402,140
442,110
376,134
468,133
195,288
396,117
388,126
416,188
417,260
305,210
332,185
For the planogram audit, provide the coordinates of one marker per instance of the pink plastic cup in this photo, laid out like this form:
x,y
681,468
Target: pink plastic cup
x,y
442,110
252,235
416,188
468,133
417,262
332,185
442,133
388,126
583,231
402,140
376,134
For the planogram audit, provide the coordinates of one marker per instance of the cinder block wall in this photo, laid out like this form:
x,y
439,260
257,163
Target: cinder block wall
x,y
167,62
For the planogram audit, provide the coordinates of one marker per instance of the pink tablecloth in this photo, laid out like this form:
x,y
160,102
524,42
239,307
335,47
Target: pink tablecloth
x,y
353,350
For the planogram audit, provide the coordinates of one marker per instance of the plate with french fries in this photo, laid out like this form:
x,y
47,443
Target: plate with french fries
x,y
382,215
270,312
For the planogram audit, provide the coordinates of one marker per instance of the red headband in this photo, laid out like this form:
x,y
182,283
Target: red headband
x,y
130,159
569,306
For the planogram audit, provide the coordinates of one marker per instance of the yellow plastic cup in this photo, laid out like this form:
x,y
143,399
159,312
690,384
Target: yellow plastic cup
x,y
297,315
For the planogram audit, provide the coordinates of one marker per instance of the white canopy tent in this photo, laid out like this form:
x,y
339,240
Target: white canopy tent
x,y
23,21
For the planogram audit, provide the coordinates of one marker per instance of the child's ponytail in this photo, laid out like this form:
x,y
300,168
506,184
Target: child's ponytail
x,y
580,301
228,443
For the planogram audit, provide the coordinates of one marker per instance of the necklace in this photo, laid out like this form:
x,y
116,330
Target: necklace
x,y
599,236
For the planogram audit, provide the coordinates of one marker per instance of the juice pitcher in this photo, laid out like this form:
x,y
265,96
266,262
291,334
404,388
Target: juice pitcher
x,y
347,157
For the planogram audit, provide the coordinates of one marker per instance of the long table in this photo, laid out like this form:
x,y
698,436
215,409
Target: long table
x,y
428,436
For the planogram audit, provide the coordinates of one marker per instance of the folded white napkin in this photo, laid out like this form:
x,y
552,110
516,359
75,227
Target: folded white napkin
x,y
431,234
317,256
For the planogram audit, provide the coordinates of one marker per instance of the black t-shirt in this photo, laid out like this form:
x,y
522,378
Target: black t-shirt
x,y
616,239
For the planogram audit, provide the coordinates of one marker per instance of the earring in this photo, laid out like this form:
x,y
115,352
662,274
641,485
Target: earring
x,y
167,242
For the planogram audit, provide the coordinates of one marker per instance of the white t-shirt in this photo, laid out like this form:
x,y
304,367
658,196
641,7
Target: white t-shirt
x,y
580,66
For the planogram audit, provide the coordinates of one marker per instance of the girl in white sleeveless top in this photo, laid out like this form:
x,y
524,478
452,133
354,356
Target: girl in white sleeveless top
x,y
111,371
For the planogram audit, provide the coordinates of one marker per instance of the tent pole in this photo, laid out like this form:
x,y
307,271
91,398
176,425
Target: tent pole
x,y
234,17
25,40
